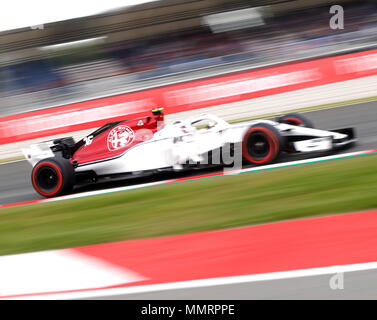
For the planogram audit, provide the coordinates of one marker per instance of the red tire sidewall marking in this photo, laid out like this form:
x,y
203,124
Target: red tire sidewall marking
x,y
296,121
272,140
58,172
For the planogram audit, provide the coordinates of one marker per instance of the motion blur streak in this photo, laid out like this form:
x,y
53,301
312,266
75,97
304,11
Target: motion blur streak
x,y
139,49
183,97
39,12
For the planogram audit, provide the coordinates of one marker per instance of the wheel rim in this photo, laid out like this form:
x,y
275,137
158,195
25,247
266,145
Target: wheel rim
x,y
47,179
266,143
259,146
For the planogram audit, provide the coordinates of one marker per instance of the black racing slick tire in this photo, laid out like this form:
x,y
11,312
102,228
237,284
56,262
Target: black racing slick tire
x,y
296,119
262,144
53,177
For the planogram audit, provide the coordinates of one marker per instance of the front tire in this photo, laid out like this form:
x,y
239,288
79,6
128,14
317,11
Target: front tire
x,y
53,177
296,119
261,144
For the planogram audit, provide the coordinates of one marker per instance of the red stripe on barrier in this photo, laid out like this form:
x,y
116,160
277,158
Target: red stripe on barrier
x,y
186,96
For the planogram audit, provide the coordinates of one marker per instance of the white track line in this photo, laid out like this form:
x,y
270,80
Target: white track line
x,y
105,191
207,282
305,161
13,161
57,271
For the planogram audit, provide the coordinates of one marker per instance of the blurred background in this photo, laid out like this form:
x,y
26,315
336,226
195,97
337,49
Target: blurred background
x,y
168,41
72,53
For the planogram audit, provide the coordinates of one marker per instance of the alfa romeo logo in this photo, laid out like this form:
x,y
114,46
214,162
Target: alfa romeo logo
x,y
120,137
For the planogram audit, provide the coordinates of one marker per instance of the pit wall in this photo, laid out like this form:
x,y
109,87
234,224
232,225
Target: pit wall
x,y
239,95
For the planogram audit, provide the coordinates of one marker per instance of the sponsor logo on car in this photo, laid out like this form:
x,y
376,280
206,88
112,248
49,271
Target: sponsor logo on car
x,y
120,137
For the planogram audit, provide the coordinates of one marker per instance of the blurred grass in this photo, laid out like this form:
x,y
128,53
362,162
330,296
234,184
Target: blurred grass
x,y
216,203
12,159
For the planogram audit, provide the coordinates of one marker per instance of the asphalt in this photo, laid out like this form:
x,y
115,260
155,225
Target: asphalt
x,y
357,285
15,184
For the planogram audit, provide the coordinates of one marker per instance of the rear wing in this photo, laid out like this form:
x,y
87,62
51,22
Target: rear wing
x,y
38,151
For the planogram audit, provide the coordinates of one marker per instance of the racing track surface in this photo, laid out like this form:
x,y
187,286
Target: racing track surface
x,y
356,285
15,185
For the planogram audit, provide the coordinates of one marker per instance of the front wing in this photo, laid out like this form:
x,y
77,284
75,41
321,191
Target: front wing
x,y
322,144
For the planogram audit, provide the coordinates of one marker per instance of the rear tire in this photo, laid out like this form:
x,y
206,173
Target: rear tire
x,y
262,144
296,119
53,177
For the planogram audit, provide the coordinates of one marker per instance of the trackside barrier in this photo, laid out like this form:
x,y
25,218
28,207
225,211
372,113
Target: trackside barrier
x,y
188,96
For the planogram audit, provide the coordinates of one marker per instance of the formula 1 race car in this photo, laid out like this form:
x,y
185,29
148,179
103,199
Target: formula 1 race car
x,y
147,145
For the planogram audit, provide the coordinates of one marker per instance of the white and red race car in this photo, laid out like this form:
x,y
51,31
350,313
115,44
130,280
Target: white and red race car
x,y
147,145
